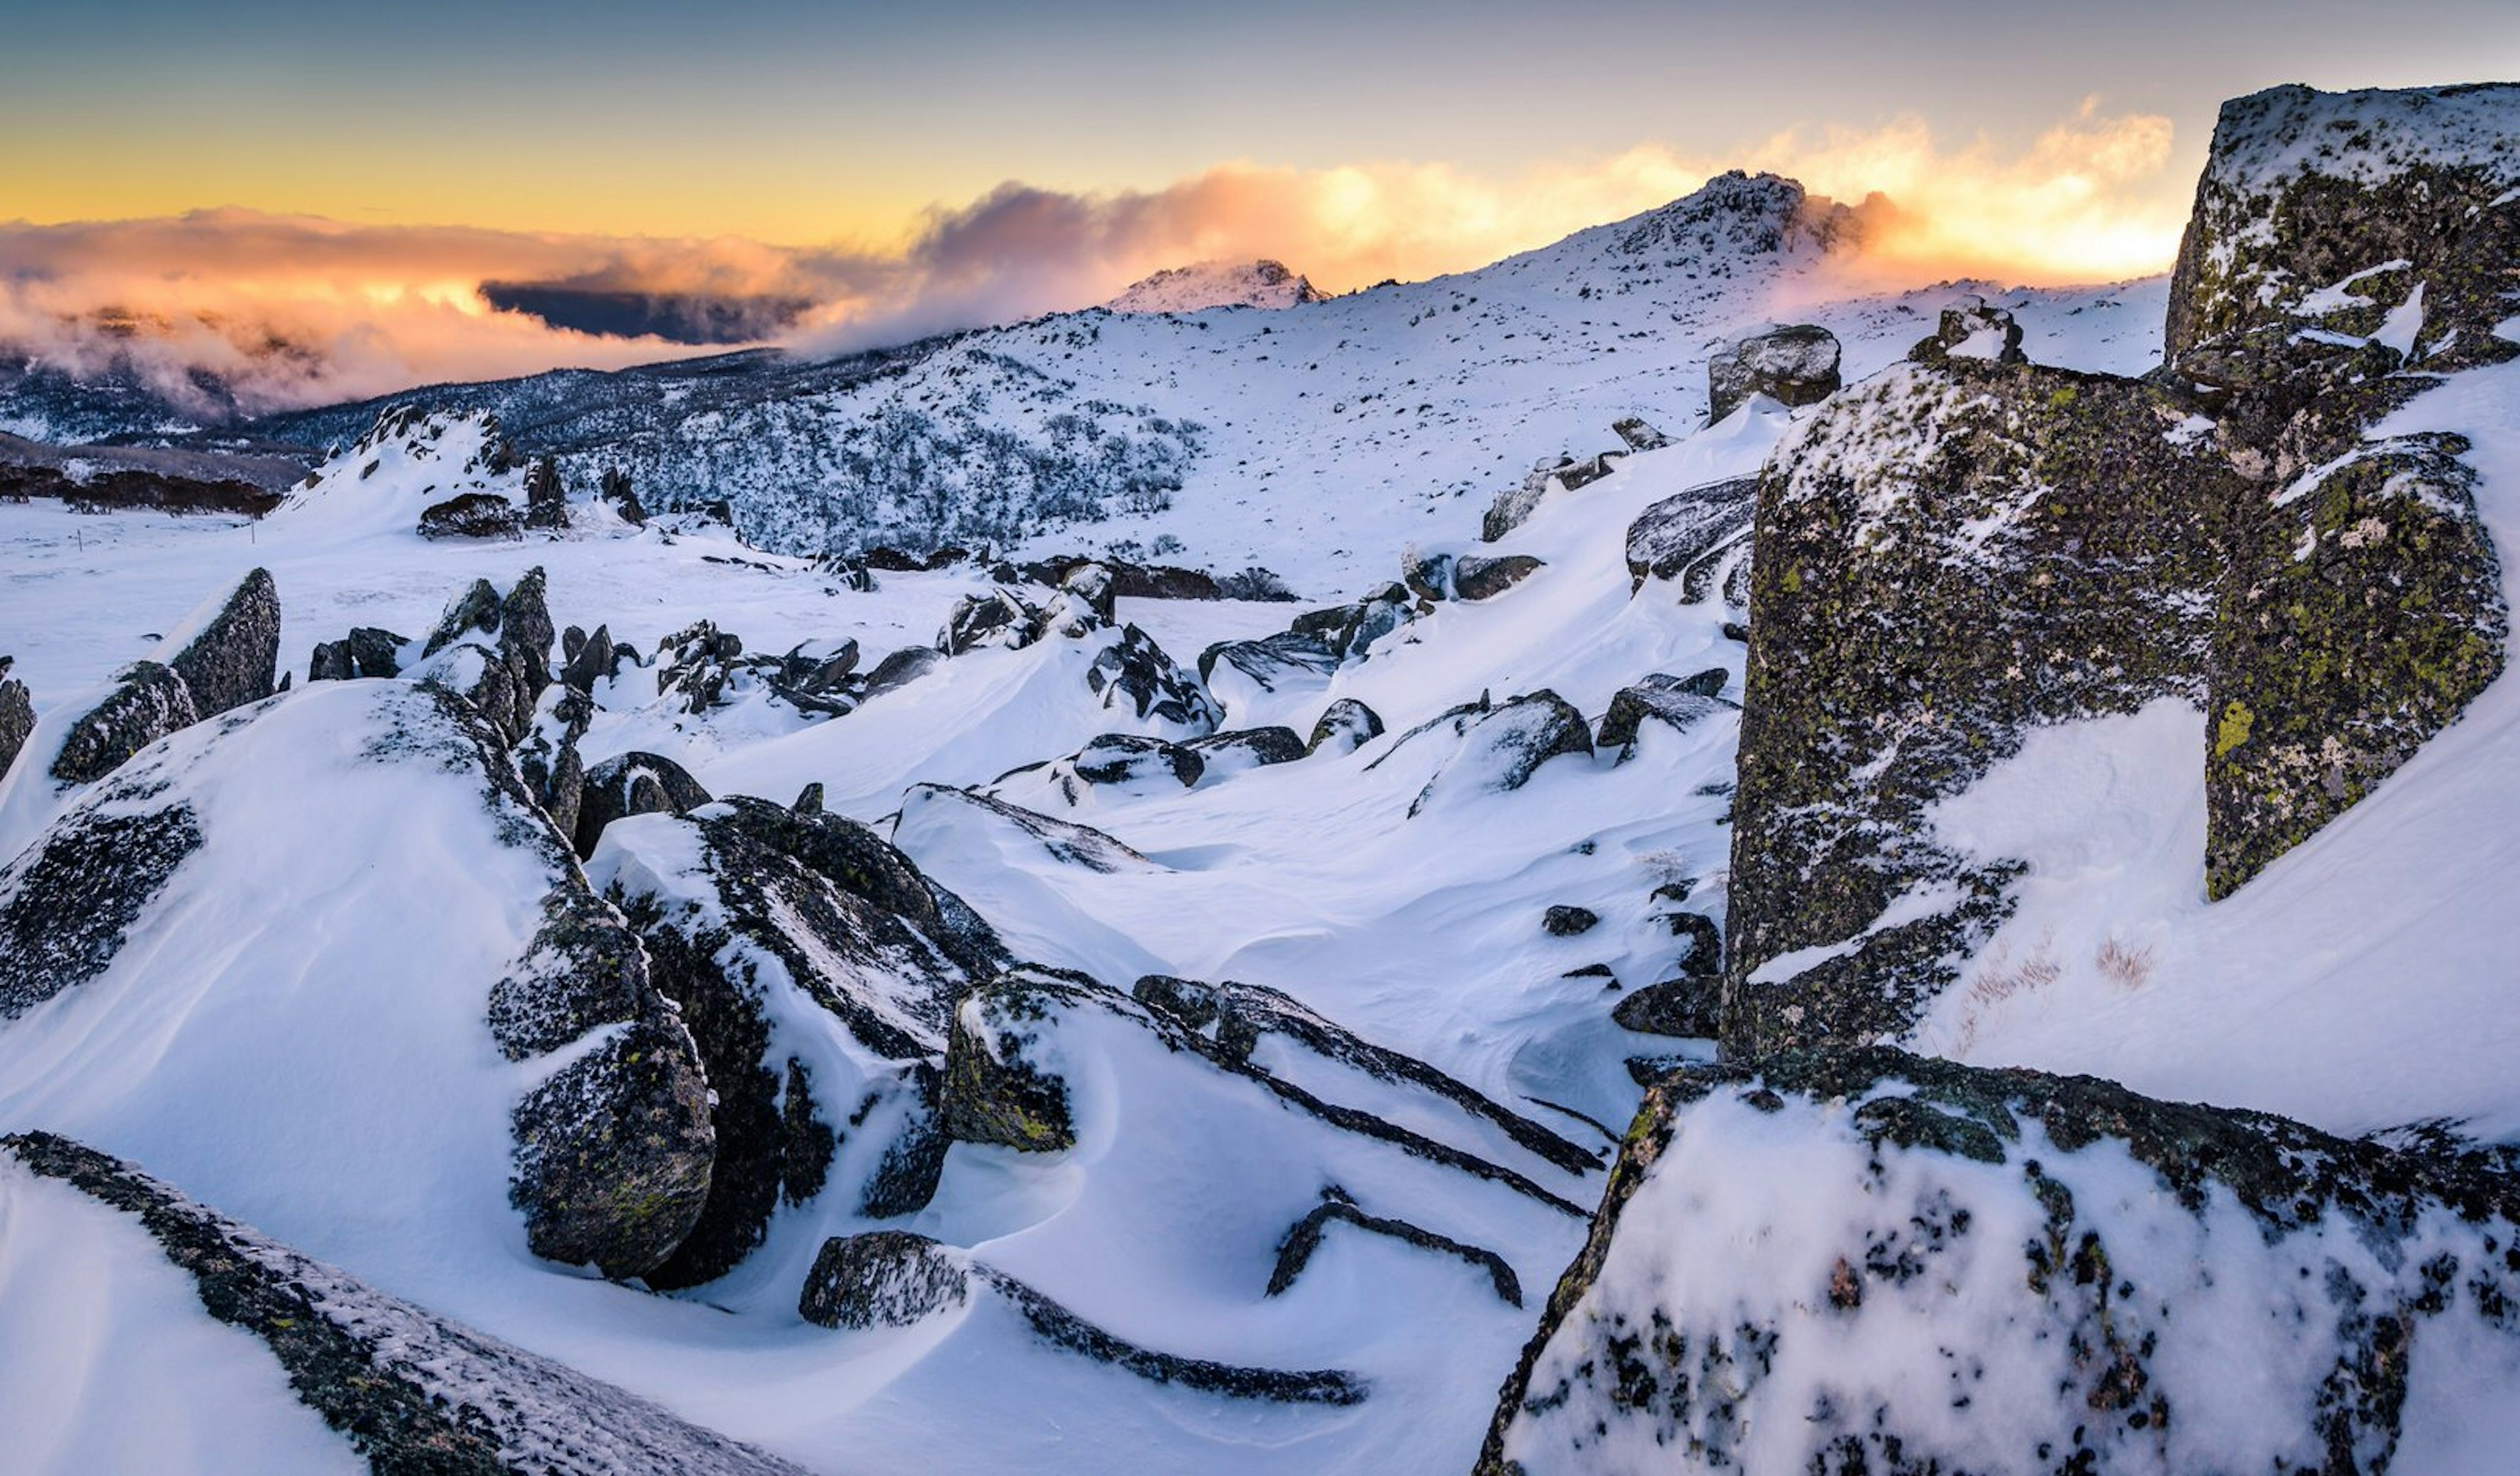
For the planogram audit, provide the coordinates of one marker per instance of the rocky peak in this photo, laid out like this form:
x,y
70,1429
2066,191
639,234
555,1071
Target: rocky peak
x,y
1218,283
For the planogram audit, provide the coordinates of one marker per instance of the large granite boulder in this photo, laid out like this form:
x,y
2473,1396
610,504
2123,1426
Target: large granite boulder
x,y
1794,365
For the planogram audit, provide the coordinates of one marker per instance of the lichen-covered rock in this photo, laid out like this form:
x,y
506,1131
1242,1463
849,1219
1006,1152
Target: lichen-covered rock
x,y
17,718
632,783
1679,702
992,1093
2008,1271
2365,613
473,515
1945,557
68,900
410,1389
232,657
1476,578
614,1152
2385,215
1689,530
883,1279
148,702
1972,330
1794,364
1345,726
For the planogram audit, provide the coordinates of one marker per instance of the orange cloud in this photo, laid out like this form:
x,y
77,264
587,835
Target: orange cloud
x,y
296,310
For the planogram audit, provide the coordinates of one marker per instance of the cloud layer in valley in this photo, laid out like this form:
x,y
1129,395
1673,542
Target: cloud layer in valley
x,y
295,310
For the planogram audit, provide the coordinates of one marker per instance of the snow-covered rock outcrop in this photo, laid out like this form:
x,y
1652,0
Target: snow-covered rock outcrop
x,y
1866,1261
1262,284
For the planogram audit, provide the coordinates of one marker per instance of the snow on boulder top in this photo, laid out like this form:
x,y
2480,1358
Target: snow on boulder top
x,y
1218,283
2365,136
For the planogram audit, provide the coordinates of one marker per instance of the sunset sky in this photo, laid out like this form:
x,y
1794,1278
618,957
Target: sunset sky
x,y
903,168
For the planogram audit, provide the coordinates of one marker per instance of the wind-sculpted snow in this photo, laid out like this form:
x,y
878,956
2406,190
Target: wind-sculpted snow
x,y
407,1389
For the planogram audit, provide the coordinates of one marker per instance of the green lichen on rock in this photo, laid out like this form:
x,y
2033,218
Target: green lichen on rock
x,y
1945,556
2364,612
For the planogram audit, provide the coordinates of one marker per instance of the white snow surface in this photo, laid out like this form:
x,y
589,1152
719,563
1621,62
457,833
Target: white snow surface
x,y
293,1033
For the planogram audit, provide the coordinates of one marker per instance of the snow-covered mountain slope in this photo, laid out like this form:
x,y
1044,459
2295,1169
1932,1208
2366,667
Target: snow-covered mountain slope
x,y
1126,1034
1448,1103
1311,441
1195,289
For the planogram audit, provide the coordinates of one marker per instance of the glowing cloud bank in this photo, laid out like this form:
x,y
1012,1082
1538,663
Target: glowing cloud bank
x,y
296,310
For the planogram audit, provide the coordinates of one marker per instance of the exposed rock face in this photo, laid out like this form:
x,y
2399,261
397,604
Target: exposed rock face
x,y
471,616
1478,579
546,498
412,1391
1018,1038
2364,612
1794,365
1637,435
232,660
883,1279
1514,504
1123,758
149,702
2339,240
1972,330
893,1279
1134,674
1567,922
1246,749
1678,702
367,652
633,783
1945,558
2085,1262
696,663
2059,546
1345,726
1502,746
474,515
1000,617
2339,210
793,911
615,487
1306,1236
16,717
67,902
1689,532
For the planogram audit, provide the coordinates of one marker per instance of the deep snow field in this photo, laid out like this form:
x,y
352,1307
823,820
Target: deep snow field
x,y
290,1033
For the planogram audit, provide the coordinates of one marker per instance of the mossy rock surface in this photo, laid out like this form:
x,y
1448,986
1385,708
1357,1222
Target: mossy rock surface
x,y
1946,559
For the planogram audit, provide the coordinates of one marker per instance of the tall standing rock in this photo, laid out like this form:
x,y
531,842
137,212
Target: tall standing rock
x,y
233,659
